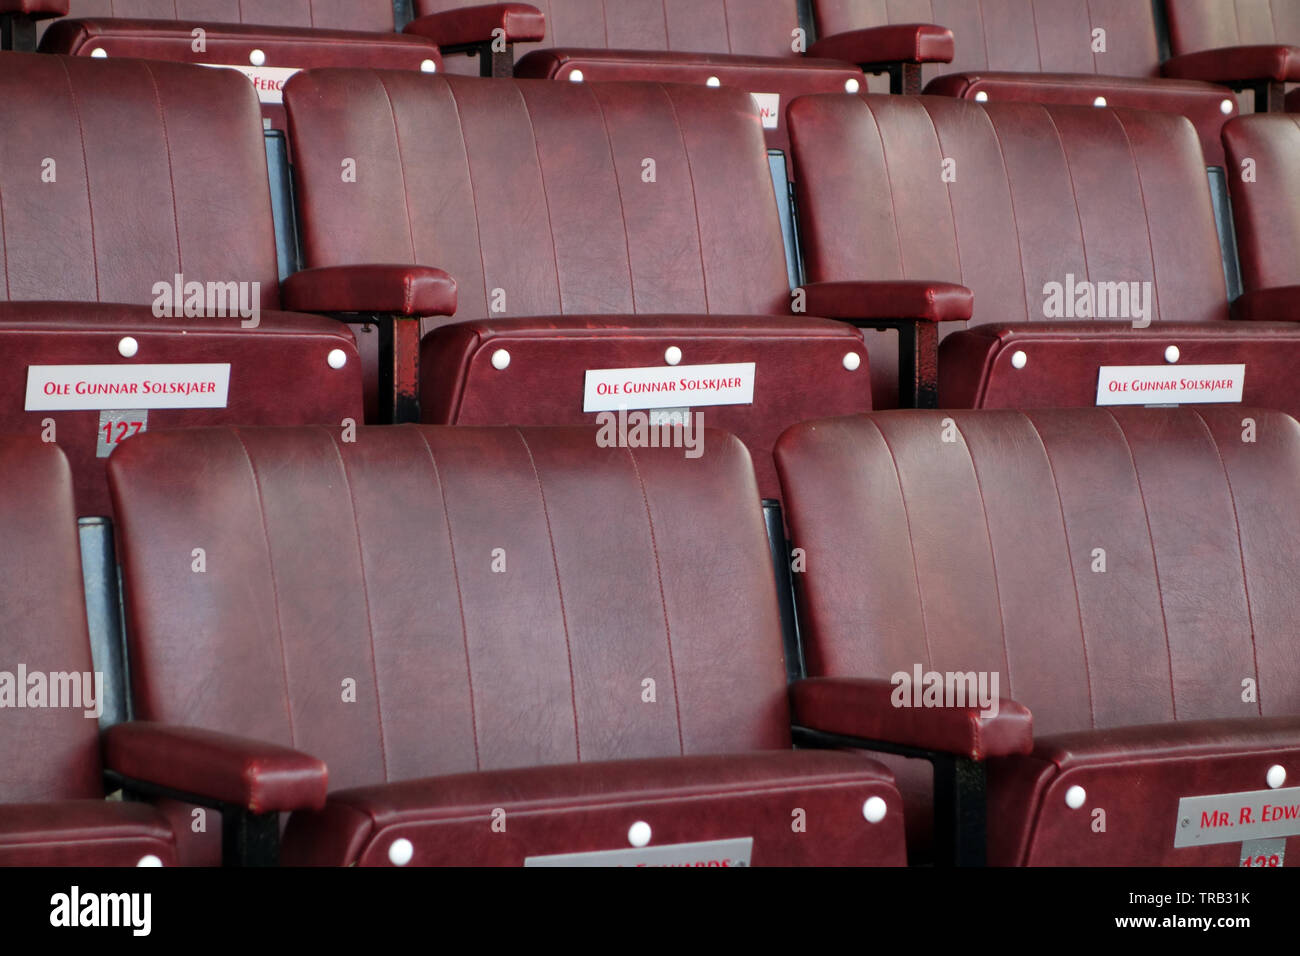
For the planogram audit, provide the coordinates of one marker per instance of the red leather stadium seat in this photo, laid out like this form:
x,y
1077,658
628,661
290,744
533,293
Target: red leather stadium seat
x,y
504,643
1128,578
1245,44
52,806
1264,176
268,40
589,227
1044,51
750,44
118,176
1008,198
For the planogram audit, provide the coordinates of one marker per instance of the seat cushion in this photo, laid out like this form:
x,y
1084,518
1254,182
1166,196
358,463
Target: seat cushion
x,y
279,374
507,817
800,370
83,833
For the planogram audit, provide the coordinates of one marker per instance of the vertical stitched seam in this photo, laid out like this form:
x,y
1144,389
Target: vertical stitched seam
x,y
365,595
907,519
1015,220
663,600
275,590
1155,561
726,28
1074,578
889,184
1236,20
663,5
695,202
401,162
604,20
171,175
546,198
1146,216
85,165
460,599
984,33
4,245
473,198
997,586
559,590
1074,193
1087,6
1241,549
1038,42
622,211
952,208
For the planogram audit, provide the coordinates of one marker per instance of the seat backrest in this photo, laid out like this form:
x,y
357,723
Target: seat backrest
x,y
747,27
119,174
1033,36
46,752
1005,198
494,597
1196,25
1114,567
1264,176
374,15
542,198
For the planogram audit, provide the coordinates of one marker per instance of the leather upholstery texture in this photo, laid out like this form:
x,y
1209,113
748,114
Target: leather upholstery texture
x,y
1264,177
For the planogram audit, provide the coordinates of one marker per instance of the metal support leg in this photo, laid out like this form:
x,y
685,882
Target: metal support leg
x,y
960,812
18,33
250,839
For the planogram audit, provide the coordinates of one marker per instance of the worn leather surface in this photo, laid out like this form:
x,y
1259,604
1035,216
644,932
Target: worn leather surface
x,y
455,668
450,820
1278,304
531,195
399,290
1040,193
894,43
1238,64
1267,210
52,810
866,708
1199,534
922,300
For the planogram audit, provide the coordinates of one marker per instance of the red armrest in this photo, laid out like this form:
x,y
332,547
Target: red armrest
x,y
868,709
1238,64
922,301
261,777
1279,304
897,43
468,26
35,9
391,289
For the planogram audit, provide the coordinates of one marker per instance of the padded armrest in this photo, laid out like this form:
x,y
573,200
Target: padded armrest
x,y
35,9
468,26
260,777
393,289
1279,304
922,301
896,43
1238,64
1183,740
865,709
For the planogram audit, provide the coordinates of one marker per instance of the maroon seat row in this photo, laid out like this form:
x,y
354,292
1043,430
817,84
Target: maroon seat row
x,y
577,250
1068,632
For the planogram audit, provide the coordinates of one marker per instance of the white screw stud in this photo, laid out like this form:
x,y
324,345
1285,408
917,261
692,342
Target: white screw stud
x,y
575,76
874,809
150,860
638,834
1019,360
981,97
673,355
1276,776
1173,354
257,58
337,358
127,347
428,66
1075,797
1226,107
1099,101
500,360
852,85
401,852
713,81
99,53
852,361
